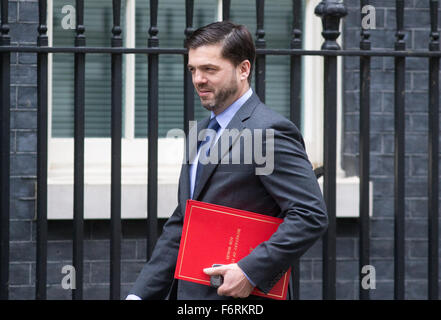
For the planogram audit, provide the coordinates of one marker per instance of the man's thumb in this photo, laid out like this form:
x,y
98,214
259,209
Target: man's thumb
x,y
213,271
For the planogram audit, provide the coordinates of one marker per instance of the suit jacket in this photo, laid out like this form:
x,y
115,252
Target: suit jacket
x,y
290,192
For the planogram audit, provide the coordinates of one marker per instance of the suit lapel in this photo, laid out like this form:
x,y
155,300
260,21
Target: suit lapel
x,y
236,123
184,185
190,151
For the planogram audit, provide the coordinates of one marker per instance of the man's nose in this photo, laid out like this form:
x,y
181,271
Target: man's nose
x,y
199,77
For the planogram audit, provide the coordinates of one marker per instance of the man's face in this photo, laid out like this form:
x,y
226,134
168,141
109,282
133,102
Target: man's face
x,y
214,77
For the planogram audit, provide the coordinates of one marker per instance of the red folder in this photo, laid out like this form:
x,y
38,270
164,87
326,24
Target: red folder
x,y
214,234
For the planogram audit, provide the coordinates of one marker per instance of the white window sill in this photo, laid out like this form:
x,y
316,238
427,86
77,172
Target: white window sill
x,y
134,180
97,177
348,197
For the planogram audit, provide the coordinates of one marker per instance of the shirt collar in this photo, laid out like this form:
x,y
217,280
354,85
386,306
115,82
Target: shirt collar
x,y
225,116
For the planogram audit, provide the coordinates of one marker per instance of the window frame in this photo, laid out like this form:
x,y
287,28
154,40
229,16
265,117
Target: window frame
x,y
134,150
97,154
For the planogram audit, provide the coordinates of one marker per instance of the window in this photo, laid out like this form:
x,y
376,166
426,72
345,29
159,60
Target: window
x,y
135,24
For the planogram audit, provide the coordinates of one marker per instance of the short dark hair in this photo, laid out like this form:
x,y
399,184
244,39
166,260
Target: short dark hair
x,y
237,42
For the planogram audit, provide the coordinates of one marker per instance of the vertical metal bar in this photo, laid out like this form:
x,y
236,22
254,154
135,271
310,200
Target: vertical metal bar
x,y
188,83
42,148
226,4
260,44
295,108
365,83
329,185
331,12
296,65
152,180
78,206
115,211
399,155
5,83
433,174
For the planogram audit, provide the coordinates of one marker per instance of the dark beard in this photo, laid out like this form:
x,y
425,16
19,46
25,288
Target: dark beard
x,y
221,97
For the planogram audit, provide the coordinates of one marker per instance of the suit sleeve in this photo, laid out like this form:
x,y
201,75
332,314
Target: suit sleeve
x,y
294,187
156,277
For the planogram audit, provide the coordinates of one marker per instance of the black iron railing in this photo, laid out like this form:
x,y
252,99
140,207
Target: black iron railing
x,y
433,173
5,72
79,135
331,13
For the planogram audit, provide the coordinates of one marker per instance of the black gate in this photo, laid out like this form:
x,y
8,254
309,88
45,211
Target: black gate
x,y
331,12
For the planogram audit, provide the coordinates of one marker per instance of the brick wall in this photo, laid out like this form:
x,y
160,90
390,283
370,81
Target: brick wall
x,y
23,31
23,19
23,23
417,28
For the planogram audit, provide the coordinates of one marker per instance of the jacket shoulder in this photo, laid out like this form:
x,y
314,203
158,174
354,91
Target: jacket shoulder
x,y
264,117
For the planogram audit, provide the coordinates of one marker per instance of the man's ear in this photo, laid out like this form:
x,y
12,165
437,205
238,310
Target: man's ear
x,y
244,69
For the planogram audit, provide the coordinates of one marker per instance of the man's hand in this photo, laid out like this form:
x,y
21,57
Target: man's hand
x,y
235,284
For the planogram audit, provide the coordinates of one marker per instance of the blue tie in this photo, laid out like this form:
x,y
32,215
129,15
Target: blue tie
x,y
213,125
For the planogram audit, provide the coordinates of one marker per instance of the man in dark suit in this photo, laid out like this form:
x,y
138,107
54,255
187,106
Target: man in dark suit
x,y
221,56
